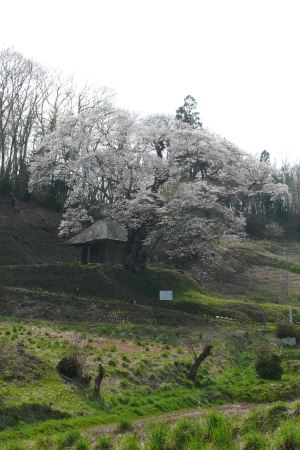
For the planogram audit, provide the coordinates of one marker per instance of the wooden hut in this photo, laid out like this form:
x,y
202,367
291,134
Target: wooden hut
x,y
102,242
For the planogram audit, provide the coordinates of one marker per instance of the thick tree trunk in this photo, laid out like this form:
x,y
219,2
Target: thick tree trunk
x,y
135,255
198,361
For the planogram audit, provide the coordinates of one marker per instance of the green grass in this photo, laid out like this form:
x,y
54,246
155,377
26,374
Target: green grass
x,y
213,431
124,425
69,439
105,442
183,432
144,348
151,384
157,436
196,302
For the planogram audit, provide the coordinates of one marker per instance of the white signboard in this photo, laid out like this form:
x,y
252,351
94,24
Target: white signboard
x,y
165,295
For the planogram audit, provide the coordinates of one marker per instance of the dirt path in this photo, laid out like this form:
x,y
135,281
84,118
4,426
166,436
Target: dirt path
x,y
140,424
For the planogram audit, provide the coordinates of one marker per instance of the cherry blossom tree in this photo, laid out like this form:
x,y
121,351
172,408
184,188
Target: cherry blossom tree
x,y
178,190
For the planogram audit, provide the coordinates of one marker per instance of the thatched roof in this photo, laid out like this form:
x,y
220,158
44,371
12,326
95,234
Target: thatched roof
x,y
100,230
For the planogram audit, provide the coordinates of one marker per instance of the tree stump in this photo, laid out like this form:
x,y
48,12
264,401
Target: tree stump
x,y
98,380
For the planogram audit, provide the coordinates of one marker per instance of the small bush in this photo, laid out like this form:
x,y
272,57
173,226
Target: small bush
x,y
265,420
104,443
112,362
157,436
288,436
274,231
218,431
255,441
70,438
45,444
82,444
73,367
70,367
130,442
183,432
268,364
124,425
284,330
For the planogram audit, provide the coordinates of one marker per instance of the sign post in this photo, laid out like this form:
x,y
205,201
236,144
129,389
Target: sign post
x,y
165,295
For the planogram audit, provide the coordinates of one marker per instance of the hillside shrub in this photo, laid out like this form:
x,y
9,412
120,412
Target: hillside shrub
x,y
255,441
183,432
284,330
124,425
266,419
157,436
74,366
274,231
268,364
104,443
70,367
288,436
130,442
68,439
218,430
82,444
46,443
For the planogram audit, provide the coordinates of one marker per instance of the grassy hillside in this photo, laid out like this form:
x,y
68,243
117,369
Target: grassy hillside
x,y
50,310
145,364
103,281
235,428
256,270
75,292
55,310
69,290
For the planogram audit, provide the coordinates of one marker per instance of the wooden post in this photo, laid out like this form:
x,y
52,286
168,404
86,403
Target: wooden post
x,y
88,255
98,380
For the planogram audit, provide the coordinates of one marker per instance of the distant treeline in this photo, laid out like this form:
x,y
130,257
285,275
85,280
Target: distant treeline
x,y
279,218
31,100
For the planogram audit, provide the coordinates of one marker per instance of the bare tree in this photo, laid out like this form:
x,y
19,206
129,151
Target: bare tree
x,y
20,81
198,361
205,352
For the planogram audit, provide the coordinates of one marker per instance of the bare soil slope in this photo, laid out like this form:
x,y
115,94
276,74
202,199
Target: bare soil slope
x,y
28,234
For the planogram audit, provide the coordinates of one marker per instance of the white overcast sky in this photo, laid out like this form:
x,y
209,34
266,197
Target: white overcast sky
x,y
238,58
